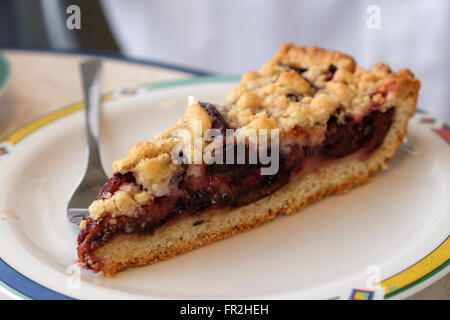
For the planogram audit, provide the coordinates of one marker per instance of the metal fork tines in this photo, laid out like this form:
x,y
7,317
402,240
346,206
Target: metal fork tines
x,y
94,177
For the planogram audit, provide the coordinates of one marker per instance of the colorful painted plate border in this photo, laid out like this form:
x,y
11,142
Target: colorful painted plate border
x,y
22,287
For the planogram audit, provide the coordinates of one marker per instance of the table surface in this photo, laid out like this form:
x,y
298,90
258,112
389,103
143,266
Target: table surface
x,y
41,82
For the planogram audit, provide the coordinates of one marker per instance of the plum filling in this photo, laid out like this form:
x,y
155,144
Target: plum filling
x,y
342,140
230,185
114,184
328,77
331,71
218,121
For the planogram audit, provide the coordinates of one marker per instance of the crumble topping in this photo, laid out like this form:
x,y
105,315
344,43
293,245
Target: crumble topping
x,y
304,87
155,173
127,201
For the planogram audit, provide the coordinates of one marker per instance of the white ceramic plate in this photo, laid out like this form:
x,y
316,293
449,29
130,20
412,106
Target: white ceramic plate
x,y
388,238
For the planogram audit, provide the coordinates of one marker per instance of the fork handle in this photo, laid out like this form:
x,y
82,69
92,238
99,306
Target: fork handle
x,y
91,73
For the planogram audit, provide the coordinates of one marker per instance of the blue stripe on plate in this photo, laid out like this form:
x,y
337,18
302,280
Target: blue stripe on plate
x,y
24,287
420,111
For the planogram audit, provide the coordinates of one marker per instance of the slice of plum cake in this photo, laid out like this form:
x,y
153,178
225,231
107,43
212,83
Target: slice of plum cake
x,y
308,125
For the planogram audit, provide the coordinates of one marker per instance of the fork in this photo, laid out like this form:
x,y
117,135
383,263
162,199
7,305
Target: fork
x,y
94,177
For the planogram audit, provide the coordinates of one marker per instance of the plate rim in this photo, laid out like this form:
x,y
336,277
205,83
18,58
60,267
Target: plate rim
x,y
24,288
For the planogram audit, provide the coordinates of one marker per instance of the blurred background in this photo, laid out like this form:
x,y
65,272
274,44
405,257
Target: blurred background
x,y
236,35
